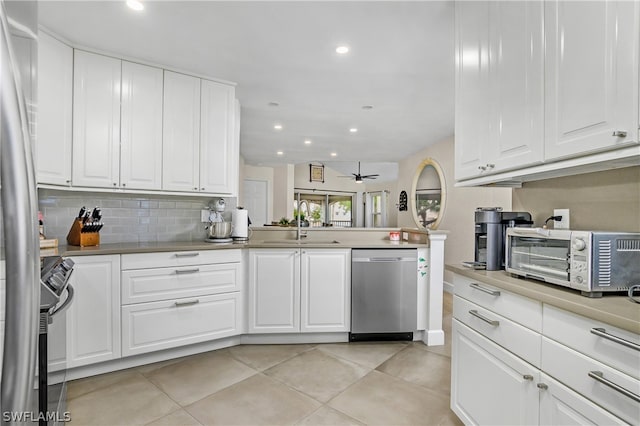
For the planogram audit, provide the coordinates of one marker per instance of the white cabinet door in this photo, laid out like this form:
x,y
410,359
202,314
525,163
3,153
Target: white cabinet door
x,y
181,133
55,94
96,120
217,153
489,385
472,111
591,76
516,81
559,405
274,291
141,127
93,319
325,289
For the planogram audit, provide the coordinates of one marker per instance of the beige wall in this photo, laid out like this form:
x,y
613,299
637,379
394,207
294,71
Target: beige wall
x,y
283,191
331,180
460,202
608,201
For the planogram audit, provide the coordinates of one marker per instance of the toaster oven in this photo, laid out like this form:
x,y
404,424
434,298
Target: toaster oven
x,y
592,262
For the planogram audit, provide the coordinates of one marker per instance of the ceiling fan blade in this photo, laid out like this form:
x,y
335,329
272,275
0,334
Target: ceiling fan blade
x,y
370,176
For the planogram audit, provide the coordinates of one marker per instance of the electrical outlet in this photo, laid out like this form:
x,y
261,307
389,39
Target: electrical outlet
x,y
564,223
204,215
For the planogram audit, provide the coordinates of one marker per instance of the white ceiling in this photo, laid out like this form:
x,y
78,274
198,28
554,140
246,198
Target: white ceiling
x,y
401,62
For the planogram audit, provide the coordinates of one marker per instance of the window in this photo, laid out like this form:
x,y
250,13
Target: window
x,y
326,209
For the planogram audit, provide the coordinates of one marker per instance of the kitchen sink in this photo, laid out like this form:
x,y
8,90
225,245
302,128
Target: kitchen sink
x,y
301,242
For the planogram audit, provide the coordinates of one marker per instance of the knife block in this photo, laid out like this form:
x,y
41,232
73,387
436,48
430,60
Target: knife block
x,y
76,237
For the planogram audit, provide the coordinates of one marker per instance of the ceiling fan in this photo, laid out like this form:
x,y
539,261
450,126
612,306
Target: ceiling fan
x,y
359,177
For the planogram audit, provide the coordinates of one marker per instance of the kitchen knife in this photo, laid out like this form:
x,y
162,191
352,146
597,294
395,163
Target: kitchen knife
x,y
96,214
83,210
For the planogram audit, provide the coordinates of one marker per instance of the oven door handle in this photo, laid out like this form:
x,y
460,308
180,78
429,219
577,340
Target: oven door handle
x,y
65,304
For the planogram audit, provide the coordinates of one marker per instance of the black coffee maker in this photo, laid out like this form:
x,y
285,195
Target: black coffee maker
x,y
491,225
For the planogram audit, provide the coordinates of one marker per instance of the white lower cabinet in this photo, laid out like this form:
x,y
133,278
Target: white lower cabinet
x,y
148,327
93,319
496,379
196,300
559,405
490,385
293,290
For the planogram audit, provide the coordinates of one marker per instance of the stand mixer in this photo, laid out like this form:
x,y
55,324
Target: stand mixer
x,y
218,231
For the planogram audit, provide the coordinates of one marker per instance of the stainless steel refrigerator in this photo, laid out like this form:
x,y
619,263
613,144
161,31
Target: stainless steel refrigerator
x,y
18,207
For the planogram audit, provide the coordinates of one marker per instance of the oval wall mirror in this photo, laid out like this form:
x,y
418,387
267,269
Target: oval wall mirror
x,y
428,194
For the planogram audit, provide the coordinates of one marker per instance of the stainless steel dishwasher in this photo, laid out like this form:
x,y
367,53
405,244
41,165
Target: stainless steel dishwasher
x,y
383,294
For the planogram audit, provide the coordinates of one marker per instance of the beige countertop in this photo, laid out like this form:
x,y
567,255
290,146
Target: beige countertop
x,y
616,310
150,247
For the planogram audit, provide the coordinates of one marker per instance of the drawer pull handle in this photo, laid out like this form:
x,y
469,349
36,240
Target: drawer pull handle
x,y
483,318
484,289
188,303
187,271
599,377
542,386
187,254
603,333
527,377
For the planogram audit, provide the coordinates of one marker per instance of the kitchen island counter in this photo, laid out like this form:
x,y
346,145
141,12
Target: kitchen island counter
x,y
617,310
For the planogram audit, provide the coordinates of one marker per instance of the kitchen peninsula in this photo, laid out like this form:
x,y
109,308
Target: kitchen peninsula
x,y
138,303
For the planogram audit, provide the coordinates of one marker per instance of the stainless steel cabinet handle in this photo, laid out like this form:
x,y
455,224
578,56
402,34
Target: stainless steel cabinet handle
x,y
527,377
542,386
603,333
483,318
187,271
192,254
483,168
188,303
599,377
490,166
201,189
477,286
620,134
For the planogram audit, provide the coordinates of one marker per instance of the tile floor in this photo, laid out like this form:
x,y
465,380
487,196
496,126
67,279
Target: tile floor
x,y
320,384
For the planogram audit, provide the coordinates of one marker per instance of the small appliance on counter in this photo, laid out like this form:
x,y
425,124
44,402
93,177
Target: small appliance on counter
x,y
491,225
240,224
218,230
592,262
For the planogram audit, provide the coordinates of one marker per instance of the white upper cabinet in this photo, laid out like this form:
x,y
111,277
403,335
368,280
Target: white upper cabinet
x,y
55,82
499,86
471,86
516,82
141,127
591,99
217,138
181,133
96,120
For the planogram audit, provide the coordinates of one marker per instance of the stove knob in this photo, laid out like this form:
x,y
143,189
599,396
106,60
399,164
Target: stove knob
x,y
579,279
578,244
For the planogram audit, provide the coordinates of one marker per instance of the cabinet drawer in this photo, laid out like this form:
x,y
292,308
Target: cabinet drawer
x,y
514,337
572,368
517,308
150,285
578,333
179,258
148,327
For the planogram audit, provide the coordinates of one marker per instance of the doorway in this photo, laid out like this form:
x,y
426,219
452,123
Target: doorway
x,y
256,200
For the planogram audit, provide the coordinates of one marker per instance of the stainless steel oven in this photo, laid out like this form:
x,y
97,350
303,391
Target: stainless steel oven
x,y
56,296
592,262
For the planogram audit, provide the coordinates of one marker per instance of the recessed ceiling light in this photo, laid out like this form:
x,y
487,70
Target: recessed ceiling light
x,y
341,50
334,154
353,130
367,106
135,5
278,126
280,153
273,104
307,142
